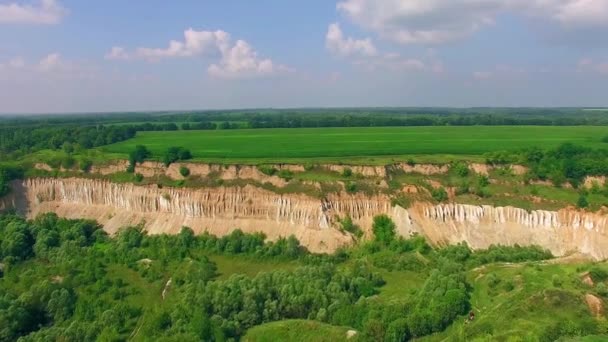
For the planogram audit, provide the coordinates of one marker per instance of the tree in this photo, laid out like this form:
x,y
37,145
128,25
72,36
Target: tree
x,y
139,154
184,171
174,154
384,229
582,202
398,331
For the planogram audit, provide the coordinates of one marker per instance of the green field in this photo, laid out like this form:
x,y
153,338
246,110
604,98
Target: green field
x,y
326,144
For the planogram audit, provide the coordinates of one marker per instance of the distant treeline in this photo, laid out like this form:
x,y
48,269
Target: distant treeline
x,y
22,135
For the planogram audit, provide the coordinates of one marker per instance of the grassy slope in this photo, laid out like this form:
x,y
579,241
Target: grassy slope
x,y
372,145
535,303
296,330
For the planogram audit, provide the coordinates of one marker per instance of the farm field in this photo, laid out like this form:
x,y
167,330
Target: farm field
x,y
292,145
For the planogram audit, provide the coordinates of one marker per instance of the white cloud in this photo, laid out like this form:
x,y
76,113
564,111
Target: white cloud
x,y
337,44
242,61
236,61
16,63
500,71
588,64
45,12
392,62
51,62
363,53
482,75
440,21
117,53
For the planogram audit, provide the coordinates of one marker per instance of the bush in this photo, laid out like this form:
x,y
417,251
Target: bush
x,y
347,172
174,154
483,181
582,202
461,169
439,194
267,170
139,177
598,274
285,174
184,171
384,229
85,165
556,280
348,226
139,155
351,187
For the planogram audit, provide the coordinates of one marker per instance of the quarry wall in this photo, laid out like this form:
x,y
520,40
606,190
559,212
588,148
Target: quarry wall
x,y
314,221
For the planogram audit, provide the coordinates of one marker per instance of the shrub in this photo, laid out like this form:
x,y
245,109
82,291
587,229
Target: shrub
x,y
347,172
267,170
348,226
184,171
139,154
463,188
139,177
285,174
582,202
508,286
439,194
493,280
598,274
68,162
351,187
174,154
85,165
461,169
384,229
556,280
483,181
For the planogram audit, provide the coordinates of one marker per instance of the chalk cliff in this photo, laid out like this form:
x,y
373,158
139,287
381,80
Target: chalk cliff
x,y
312,220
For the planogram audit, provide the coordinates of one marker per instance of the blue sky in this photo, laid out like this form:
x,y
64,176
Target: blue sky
x,y
81,56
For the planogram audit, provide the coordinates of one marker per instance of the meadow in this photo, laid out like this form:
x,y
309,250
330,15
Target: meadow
x,y
326,144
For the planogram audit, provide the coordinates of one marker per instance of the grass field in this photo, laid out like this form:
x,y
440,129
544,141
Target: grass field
x,y
264,145
296,330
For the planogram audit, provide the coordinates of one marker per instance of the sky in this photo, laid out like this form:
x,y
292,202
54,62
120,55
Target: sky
x,y
137,55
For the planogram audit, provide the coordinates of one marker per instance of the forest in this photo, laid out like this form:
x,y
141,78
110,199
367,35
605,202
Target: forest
x,y
68,280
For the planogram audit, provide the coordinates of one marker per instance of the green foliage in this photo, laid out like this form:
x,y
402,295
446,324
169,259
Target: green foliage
x,y
184,171
268,170
347,172
461,169
351,187
138,155
139,177
439,194
483,181
85,165
598,274
384,229
174,154
347,225
285,174
605,139
582,201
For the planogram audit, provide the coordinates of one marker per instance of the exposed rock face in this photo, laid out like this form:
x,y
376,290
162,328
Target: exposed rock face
x,y
481,226
313,221
217,210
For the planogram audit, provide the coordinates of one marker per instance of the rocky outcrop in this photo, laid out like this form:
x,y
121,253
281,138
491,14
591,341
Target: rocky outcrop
x,y
312,220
